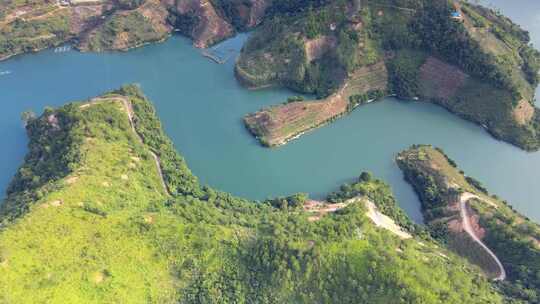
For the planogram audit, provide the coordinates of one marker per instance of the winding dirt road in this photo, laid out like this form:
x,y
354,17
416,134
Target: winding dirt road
x,y
320,208
384,221
126,103
465,197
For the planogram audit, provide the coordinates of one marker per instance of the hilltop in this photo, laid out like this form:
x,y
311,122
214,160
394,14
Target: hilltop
x,y
105,210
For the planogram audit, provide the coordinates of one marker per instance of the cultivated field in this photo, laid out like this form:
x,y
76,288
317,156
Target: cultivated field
x,y
276,125
440,80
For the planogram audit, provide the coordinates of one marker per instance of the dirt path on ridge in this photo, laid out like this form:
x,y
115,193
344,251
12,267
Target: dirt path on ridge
x,y
321,208
129,110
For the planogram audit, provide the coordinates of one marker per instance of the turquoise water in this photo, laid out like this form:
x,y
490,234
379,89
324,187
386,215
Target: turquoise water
x,y
201,107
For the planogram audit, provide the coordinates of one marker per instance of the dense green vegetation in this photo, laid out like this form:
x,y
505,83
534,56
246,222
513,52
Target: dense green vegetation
x,y
177,175
283,36
451,41
52,155
288,7
105,230
513,237
130,4
403,74
359,99
29,36
123,31
523,54
380,194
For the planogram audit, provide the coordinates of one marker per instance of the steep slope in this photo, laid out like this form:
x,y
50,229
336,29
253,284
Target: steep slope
x,y
480,227
124,29
120,25
87,220
479,65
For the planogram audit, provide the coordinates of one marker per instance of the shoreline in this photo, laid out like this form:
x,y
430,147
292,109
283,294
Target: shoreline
x,y
297,135
83,50
483,126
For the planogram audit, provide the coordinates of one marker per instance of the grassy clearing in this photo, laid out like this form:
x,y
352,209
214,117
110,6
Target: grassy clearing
x,y
124,31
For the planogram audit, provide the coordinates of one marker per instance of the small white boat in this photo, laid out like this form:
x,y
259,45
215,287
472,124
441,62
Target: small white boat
x,y
2,73
62,49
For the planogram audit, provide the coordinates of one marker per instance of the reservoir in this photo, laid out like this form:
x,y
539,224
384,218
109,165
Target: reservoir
x,y
201,106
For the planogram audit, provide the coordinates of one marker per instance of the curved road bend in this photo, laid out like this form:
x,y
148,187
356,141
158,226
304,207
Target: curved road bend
x,y
129,110
470,231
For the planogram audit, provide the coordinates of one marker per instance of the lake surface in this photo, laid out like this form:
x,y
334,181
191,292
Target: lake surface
x,y
201,106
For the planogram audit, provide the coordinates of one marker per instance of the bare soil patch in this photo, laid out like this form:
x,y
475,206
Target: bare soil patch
x,y
316,48
319,208
383,221
440,80
523,112
210,26
99,276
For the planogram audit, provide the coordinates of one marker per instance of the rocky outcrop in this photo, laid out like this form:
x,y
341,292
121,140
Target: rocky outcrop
x,y
251,12
317,47
200,20
126,29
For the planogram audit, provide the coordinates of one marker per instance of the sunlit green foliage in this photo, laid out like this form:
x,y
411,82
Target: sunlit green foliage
x,y
29,36
135,28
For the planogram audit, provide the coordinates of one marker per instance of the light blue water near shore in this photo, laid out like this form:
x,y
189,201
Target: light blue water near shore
x,y
201,106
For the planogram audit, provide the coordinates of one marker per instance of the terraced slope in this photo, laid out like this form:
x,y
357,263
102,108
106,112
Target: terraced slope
x,y
278,124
